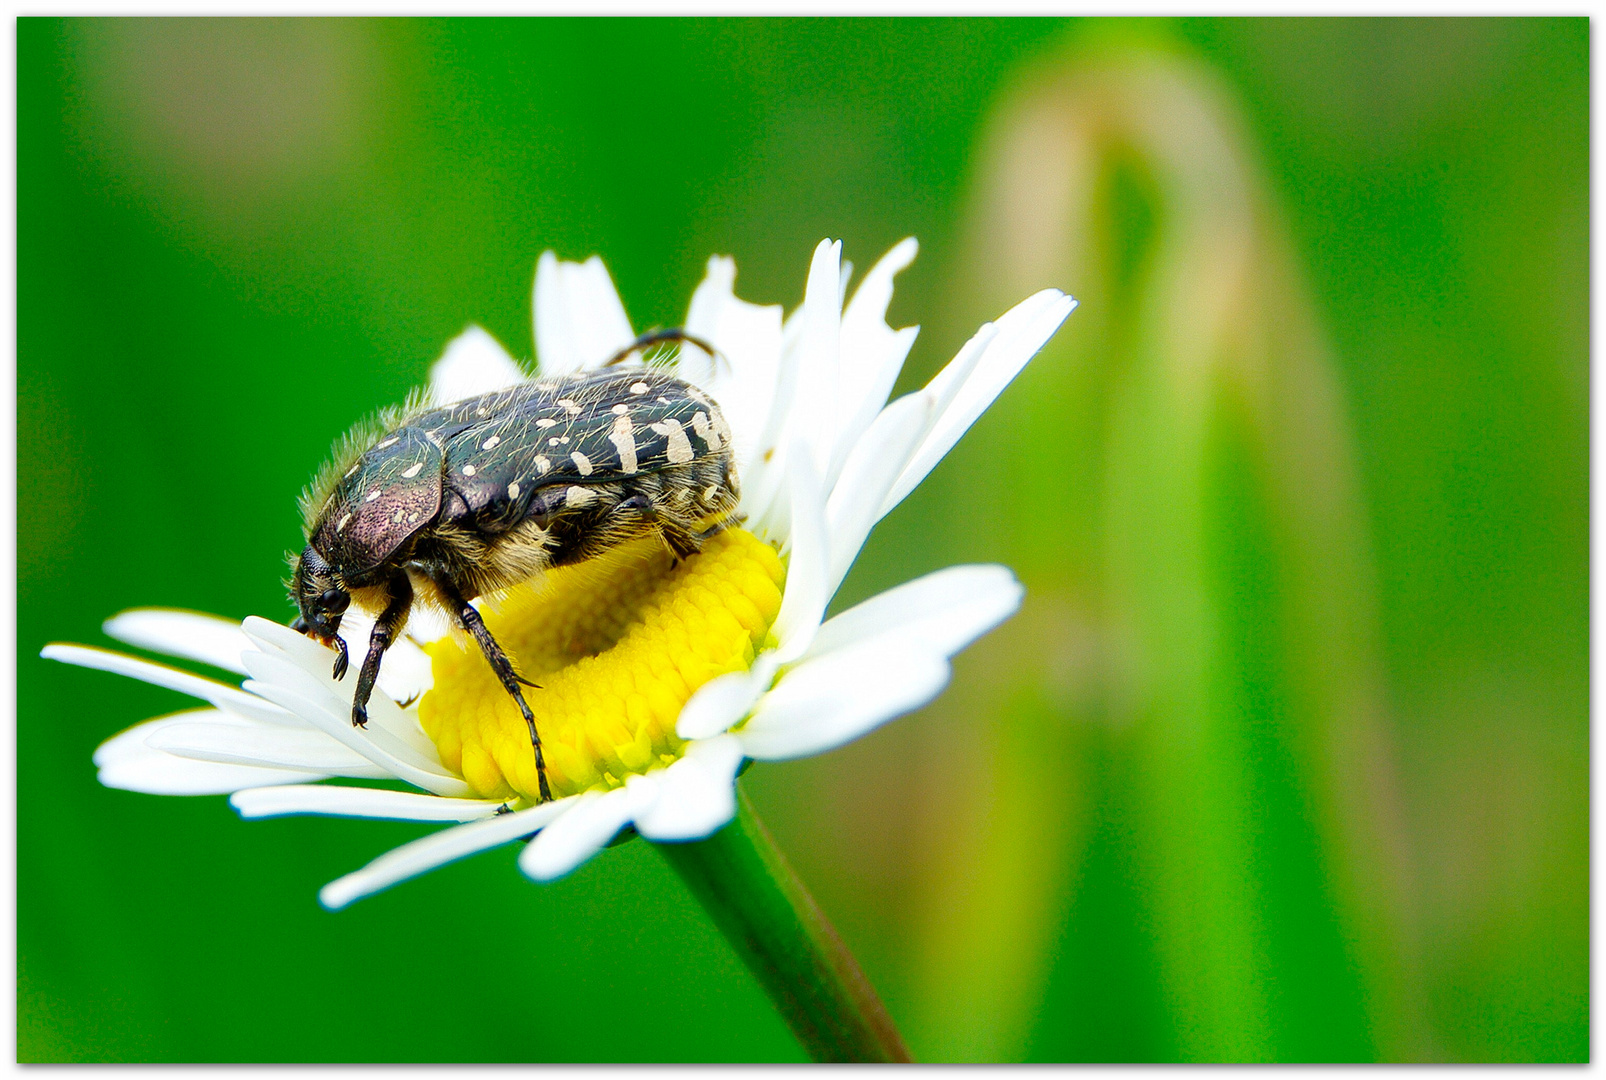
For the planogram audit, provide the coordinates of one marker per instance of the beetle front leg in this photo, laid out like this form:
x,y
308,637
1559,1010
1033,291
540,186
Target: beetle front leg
x,y
386,627
469,618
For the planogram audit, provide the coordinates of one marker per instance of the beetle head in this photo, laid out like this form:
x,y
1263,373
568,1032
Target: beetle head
x,y
322,600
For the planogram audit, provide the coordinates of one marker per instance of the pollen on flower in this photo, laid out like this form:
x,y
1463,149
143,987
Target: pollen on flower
x,y
618,644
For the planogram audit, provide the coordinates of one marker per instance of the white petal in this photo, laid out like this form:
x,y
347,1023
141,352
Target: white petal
x,y
867,313
312,696
824,703
808,565
696,795
316,663
130,742
1022,331
869,473
126,761
189,635
581,832
945,611
474,363
247,743
743,378
435,850
332,716
357,802
765,504
156,674
872,353
725,699
765,479
815,404
945,385
579,321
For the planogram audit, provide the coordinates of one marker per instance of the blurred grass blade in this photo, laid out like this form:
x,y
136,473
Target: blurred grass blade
x,y
1234,881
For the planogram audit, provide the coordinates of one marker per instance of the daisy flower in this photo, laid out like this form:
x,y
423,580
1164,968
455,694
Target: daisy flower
x,y
659,679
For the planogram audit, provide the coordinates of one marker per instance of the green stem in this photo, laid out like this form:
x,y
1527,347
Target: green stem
x,y
754,896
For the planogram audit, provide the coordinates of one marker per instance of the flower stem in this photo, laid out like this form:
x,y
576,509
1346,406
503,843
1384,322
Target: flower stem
x,y
754,896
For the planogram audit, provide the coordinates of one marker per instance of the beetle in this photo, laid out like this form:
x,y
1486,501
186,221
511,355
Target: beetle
x,y
444,504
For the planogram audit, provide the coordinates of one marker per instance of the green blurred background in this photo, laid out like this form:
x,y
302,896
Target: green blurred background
x,y
1286,756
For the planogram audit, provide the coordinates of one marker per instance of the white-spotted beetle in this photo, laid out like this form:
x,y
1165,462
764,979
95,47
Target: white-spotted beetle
x,y
445,504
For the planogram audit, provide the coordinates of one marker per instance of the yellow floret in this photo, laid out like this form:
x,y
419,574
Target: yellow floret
x,y
618,645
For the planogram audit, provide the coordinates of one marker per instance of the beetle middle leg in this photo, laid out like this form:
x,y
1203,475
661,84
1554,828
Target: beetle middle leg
x,y
386,627
469,618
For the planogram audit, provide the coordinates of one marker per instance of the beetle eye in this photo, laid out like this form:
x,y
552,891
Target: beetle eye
x,y
333,601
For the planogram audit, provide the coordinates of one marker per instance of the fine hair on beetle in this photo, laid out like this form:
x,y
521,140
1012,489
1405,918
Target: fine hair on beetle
x,y
444,504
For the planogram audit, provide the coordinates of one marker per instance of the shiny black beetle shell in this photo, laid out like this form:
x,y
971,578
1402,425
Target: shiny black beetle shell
x,y
500,458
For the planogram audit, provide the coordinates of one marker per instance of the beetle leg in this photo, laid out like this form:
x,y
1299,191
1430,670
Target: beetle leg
x,y
682,542
728,521
470,620
386,627
342,660
654,338
337,643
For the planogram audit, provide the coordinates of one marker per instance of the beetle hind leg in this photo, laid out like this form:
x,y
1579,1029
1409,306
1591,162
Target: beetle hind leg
x,y
656,337
681,538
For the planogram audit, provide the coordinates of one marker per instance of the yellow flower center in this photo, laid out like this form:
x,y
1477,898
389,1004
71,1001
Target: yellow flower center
x,y
618,644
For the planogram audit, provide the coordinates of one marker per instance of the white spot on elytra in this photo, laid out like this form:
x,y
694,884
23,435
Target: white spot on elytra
x,y
581,462
343,523
665,401
638,388
513,490
545,422
543,464
372,495
413,470
490,444
392,441
679,450
554,441
468,470
570,406
579,496
412,517
623,438
620,409
705,430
